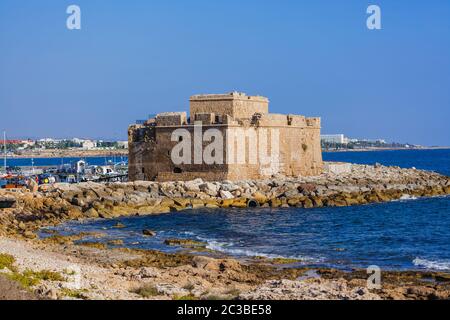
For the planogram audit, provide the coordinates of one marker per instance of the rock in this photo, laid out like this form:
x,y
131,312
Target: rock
x,y
310,289
166,202
74,213
421,292
317,201
202,261
226,194
291,193
306,188
182,202
48,293
197,203
186,243
22,226
29,235
80,202
148,232
119,225
115,242
275,203
217,265
294,202
260,197
229,186
209,188
161,209
308,203
226,203
171,290
149,272
240,203
193,185
91,213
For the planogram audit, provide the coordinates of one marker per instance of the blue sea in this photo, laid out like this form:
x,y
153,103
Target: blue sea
x,y
400,235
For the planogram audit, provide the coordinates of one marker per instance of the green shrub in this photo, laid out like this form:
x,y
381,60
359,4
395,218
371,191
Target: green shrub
x,y
7,261
147,291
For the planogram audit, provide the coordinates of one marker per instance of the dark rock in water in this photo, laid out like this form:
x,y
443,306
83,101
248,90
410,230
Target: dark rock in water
x,y
119,225
186,243
149,233
115,242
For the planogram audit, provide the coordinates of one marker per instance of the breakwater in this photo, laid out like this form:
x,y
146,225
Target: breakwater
x,y
363,184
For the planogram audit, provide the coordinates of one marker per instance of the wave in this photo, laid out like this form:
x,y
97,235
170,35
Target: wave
x,y
228,248
408,197
432,264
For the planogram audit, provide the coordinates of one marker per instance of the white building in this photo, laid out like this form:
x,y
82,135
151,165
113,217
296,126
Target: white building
x,y
122,144
334,138
88,144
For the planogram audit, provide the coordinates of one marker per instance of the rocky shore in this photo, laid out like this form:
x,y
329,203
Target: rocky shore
x,y
359,184
130,274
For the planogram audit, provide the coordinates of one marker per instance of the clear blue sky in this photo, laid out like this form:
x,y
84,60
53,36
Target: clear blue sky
x,y
317,58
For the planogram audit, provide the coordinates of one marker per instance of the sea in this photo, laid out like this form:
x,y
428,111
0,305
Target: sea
x,y
411,234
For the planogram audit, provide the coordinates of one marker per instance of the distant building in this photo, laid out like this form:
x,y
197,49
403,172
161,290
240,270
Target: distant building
x,y
380,141
122,144
88,144
334,138
49,140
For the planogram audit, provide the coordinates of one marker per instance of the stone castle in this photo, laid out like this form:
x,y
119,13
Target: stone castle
x,y
251,142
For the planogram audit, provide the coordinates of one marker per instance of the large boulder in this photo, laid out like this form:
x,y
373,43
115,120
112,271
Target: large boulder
x,y
209,188
193,185
224,194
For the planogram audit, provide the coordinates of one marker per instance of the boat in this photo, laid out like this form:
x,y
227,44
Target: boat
x,y
13,182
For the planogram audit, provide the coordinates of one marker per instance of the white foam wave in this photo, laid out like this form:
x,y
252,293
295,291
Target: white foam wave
x,y
430,264
408,197
227,248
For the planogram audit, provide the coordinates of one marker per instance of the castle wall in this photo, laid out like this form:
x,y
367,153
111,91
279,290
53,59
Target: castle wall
x,y
150,159
298,152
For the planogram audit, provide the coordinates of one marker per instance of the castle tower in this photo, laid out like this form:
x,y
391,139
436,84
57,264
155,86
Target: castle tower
x,y
236,105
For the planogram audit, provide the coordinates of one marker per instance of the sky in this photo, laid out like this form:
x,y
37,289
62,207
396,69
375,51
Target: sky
x,y
139,57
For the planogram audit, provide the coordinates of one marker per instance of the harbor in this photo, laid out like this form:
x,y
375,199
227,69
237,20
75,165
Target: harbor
x,y
30,172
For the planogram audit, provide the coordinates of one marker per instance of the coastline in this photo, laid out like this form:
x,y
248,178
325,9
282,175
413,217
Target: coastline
x,y
149,274
385,149
124,152
86,272
71,154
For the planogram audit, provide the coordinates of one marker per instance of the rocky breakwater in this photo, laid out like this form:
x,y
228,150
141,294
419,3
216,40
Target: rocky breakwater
x,y
357,185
